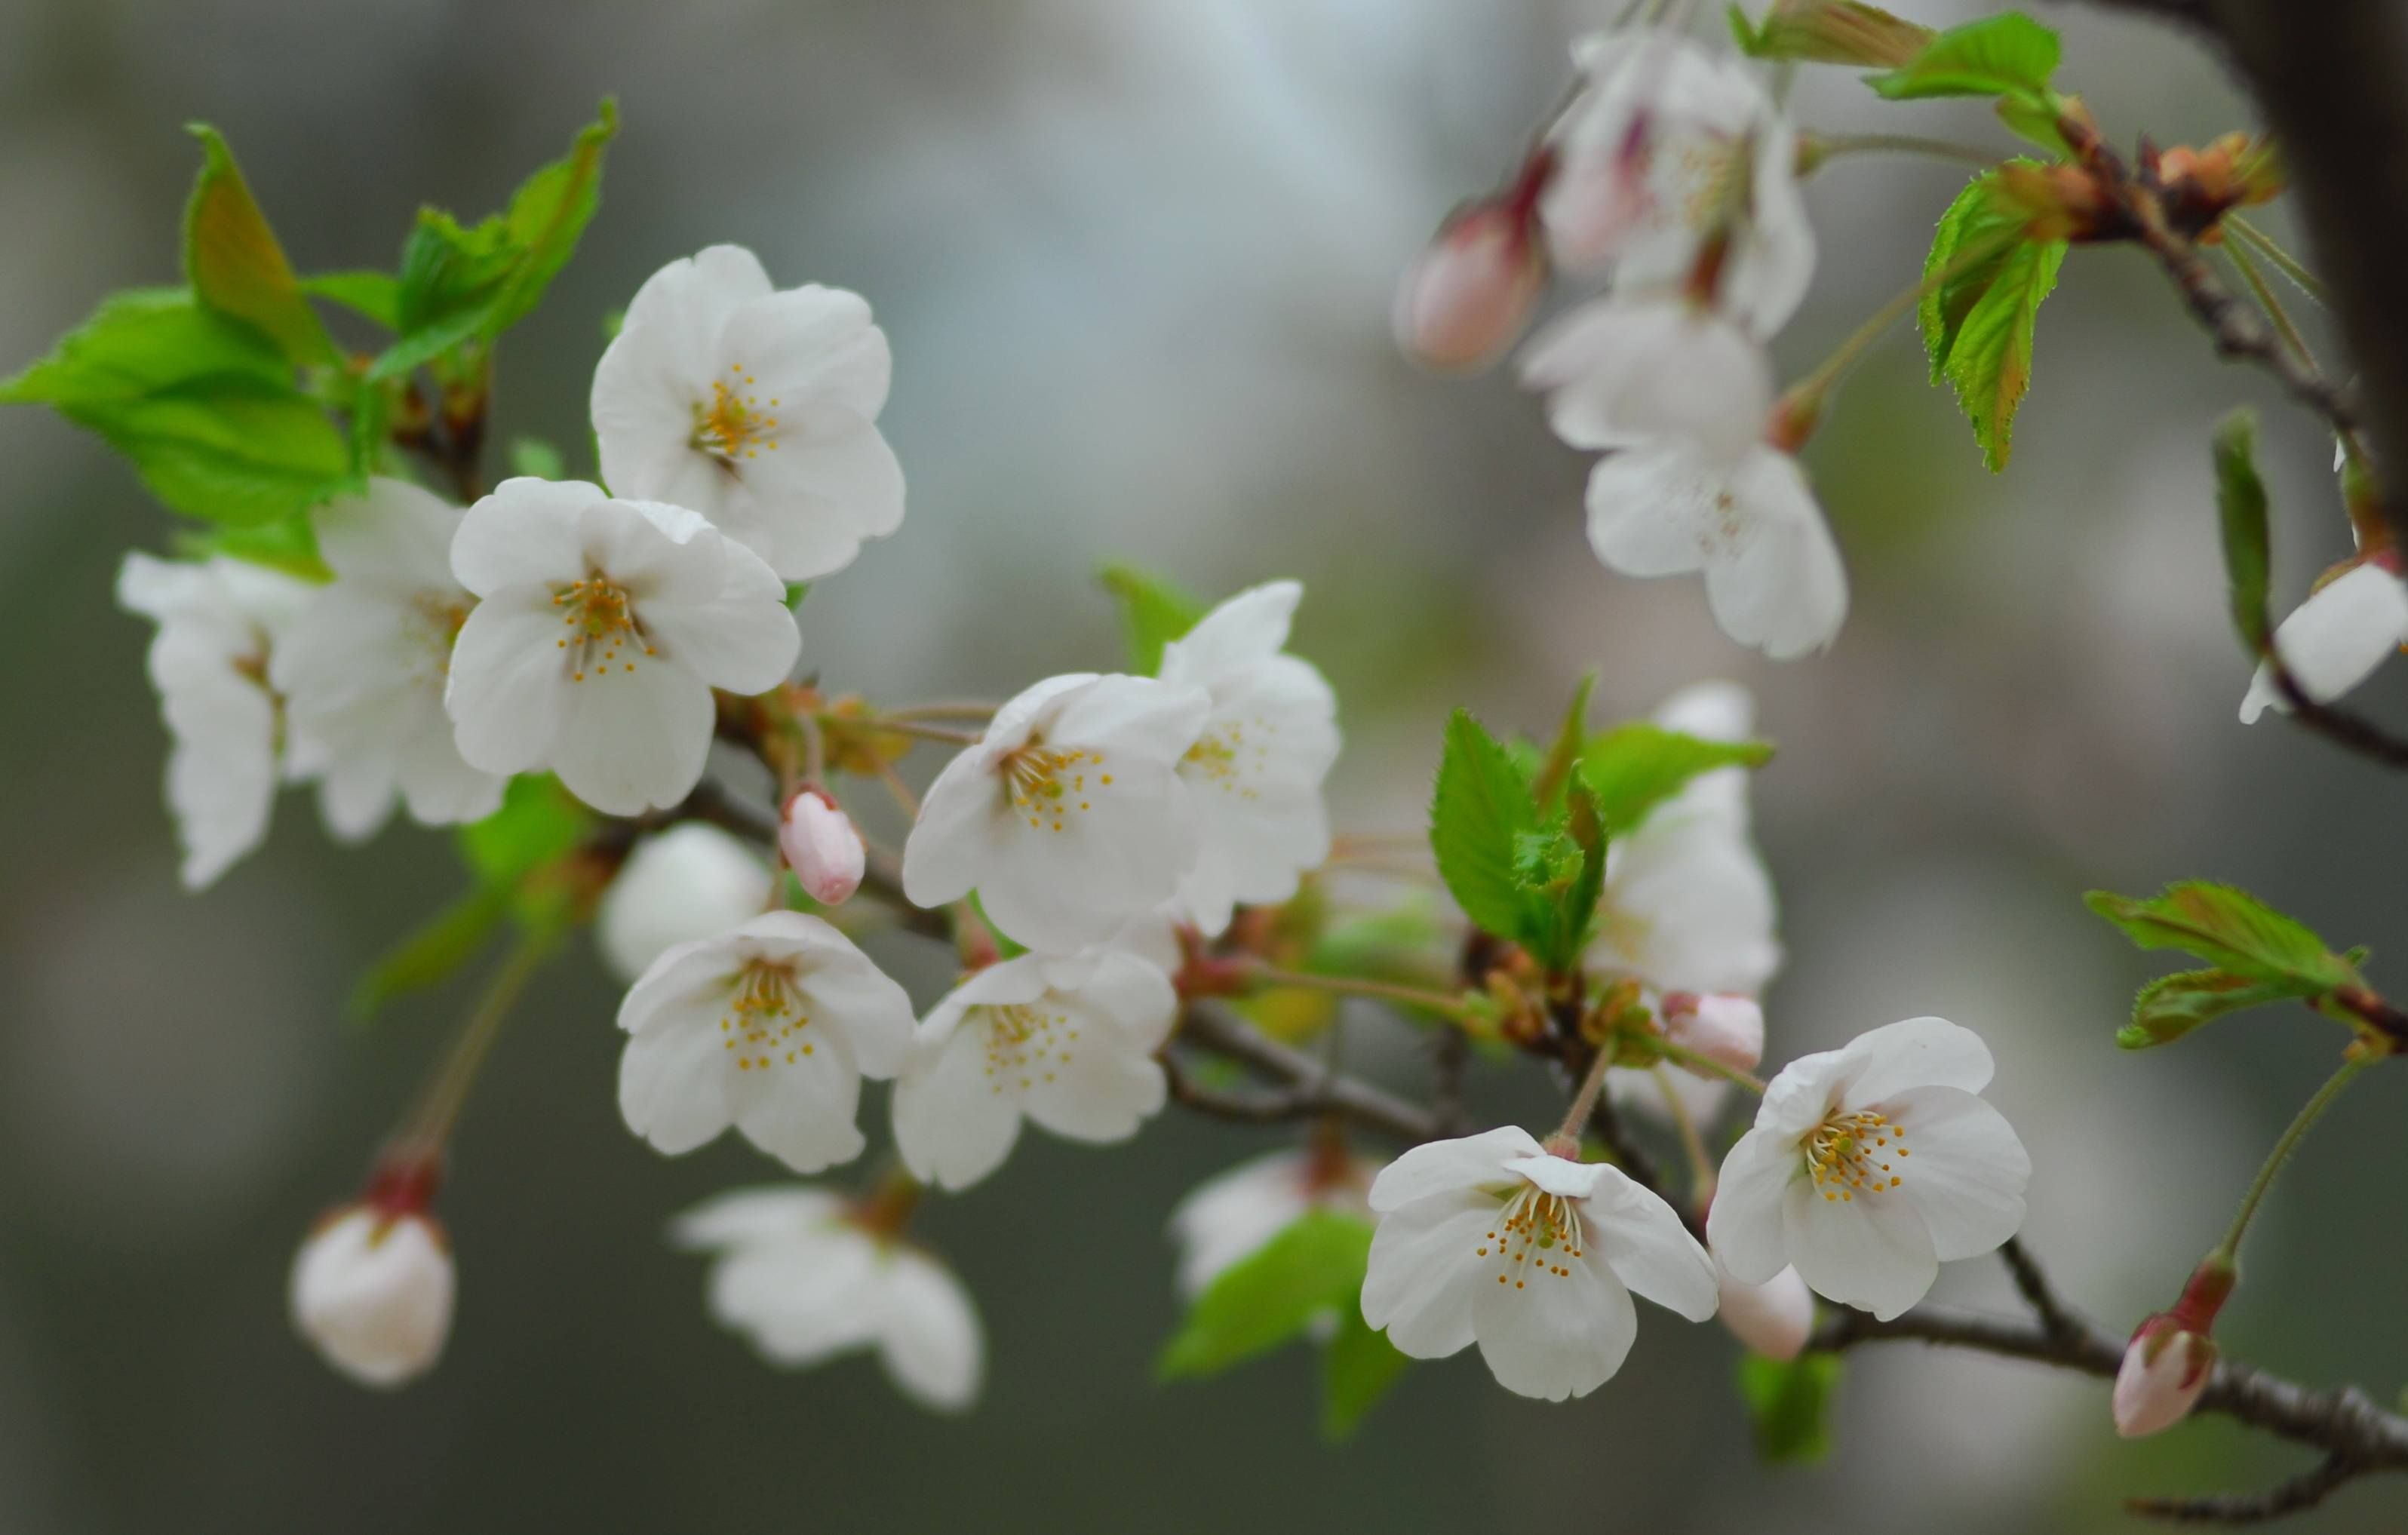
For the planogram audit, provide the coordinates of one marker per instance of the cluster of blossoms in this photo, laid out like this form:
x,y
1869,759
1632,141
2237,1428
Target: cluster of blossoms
x,y
1673,172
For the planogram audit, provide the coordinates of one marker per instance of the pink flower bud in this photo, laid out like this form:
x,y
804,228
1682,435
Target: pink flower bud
x,y
1468,295
822,847
1720,1026
1773,1318
2166,1367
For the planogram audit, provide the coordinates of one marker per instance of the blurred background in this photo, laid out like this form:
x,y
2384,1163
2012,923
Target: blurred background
x,y
1135,261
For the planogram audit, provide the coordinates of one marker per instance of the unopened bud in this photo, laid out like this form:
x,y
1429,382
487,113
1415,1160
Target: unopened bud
x,y
2168,1362
692,881
1468,295
372,1285
1720,1026
822,847
1773,1318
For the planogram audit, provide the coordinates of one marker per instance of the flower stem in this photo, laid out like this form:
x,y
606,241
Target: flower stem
x,y
439,1107
1820,148
2229,1250
1584,1101
1701,1166
949,708
1355,985
1686,1056
897,724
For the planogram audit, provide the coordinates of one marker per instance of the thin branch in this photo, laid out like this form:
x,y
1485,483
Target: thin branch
x,y
2338,725
2032,1284
1305,1087
2300,1493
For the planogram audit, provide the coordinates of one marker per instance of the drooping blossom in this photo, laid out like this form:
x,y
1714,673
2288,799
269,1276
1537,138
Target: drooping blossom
x,y
2336,639
1773,1318
755,407
1624,372
690,881
372,1286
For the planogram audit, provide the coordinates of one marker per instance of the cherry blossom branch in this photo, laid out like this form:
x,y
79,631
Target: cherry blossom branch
x,y
2338,725
2298,1495
1307,1087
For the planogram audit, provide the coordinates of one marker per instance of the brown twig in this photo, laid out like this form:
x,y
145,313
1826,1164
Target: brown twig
x,y
1304,1089
2300,1493
2338,725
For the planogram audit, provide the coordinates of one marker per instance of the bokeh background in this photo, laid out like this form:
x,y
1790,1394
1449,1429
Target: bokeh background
x,y
1135,261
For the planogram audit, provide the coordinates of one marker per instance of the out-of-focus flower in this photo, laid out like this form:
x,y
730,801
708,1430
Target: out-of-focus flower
x,y
1066,1043
1773,577
822,847
1622,372
1871,1164
604,626
2336,639
1718,1025
363,667
1069,815
1468,296
805,1277
1255,769
768,1027
1489,1239
372,1285
1229,1216
756,408
1773,1318
692,880
219,621
2166,1367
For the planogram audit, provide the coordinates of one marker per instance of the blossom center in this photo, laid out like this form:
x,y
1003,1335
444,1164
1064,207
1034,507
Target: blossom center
x,y
1536,1236
1046,785
765,1017
733,423
1222,756
602,625
429,627
1026,1042
1855,1153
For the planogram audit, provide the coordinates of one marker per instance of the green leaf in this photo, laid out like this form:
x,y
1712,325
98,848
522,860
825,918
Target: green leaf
x,y
2172,1005
540,823
2240,515
372,296
547,213
1357,1369
1154,612
234,262
540,460
290,546
1312,1267
1547,778
430,955
204,406
1979,319
1633,767
2008,55
1830,32
2036,122
1790,1402
2231,930
1481,809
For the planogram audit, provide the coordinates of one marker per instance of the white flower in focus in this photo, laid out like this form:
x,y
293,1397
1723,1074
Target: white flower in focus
x,y
692,881
756,408
1254,772
822,847
2166,1368
604,626
371,1290
1469,293
1230,1216
801,1276
1069,815
1624,372
1774,1318
1066,1043
1773,577
1870,1165
768,1027
362,668
2336,639
1490,1238
219,620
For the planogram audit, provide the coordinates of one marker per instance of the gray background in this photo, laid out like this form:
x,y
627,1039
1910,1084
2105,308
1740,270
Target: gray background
x,y
1135,260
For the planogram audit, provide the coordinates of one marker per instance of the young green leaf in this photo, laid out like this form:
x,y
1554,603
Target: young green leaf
x,y
1568,916
2172,1005
534,457
1547,778
372,296
234,262
1313,1266
1357,1369
430,955
1790,1402
2240,515
1480,812
1830,32
290,546
1154,612
1982,306
539,824
2231,930
2008,55
1633,767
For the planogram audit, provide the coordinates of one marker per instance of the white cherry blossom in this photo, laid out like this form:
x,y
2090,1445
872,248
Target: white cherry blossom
x,y
1230,1216
1773,577
770,1027
220,620
805,1277
690,881
603,627
363,667
1622,372
1069,816
1066,1043
371,1290
756,408
1255,769
1870,1165
2336,639
1489,1239
1774,1318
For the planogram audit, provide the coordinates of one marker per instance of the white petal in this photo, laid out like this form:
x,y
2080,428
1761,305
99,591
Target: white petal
x,y
1622,372
527,531
691,881
1230,1217
954,838
1913,1052
508,694
932,1346
1424,1280
1447,1167
1775,579
1648,1248
1968,1171
1688,906
1873,1253
397,538
813,500
1228,642
954,1124
1744,1223
1774,1318
800,1107
2332,642
673,1086
755,1214
811,342
634,740
1553,1336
